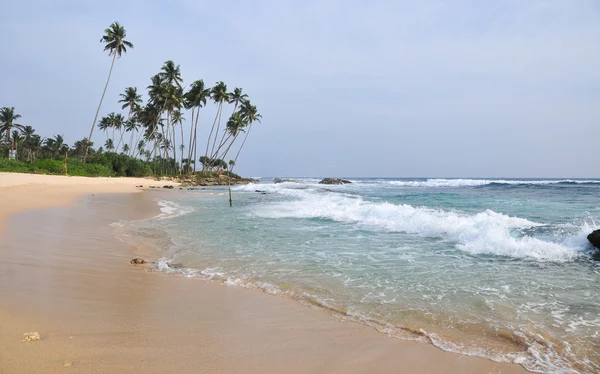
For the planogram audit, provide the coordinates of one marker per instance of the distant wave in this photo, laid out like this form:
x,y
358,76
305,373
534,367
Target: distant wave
x,y
487,232
484,182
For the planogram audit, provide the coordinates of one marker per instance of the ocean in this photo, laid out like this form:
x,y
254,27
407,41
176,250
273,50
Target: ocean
x,y
499,269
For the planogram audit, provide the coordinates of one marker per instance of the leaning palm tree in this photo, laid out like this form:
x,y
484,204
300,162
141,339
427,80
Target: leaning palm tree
x,y
250,115
7,122
114,38
236,97
219,94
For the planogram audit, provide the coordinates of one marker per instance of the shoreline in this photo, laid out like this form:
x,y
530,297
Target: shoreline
x,y
159,322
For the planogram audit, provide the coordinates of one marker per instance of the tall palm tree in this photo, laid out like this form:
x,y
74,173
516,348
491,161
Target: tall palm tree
x,y
195,98
118,123
250,115
7,122
131,99
114,38
218,94
104,124
171,73
235,97
131,125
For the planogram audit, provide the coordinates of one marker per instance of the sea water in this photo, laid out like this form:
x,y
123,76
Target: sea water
x,y
493,268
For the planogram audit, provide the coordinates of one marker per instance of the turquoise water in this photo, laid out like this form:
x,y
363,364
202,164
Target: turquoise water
x,y
499,269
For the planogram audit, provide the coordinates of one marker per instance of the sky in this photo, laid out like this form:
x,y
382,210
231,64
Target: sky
x,y
448,88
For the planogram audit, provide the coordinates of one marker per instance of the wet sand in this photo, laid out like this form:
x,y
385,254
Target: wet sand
x,y
64,274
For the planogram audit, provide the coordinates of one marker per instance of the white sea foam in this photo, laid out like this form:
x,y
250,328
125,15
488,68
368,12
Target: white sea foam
x,y
483,182
486,232
170,209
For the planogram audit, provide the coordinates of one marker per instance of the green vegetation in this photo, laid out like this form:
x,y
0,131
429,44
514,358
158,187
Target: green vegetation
x,y
145,139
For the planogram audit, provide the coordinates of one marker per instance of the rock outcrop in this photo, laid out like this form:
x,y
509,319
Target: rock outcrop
x,y
334,181
137,261
284,180
594,238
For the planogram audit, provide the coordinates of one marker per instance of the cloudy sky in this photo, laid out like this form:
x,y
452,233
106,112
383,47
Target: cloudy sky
x,y
448,88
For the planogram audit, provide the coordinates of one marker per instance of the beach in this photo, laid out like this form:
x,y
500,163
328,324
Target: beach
x,y
64,274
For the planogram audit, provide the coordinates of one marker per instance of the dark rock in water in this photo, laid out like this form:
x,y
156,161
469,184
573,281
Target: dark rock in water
x,y
284,180
596,256
260,191
334,181
175,266
594,238
137,261
169,187
140,186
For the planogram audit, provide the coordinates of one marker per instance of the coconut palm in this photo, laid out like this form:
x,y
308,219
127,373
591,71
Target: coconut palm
x,y
125,148
235,98
115,43
131,99
195,99
109,145
7,122
249,115
104,124
171,74
218,94
131,125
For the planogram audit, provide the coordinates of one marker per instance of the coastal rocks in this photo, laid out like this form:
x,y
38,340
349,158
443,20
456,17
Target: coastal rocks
x,y
334,181
594,238
175,265
284,180
168,186
31,336
137,261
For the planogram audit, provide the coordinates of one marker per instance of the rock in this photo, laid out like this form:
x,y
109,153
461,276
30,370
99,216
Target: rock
x,y
168,186
140,186
594,238
334,181
284,180
137,261
31,336
175,266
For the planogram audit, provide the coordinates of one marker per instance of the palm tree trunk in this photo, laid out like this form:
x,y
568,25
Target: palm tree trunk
x,y
210,136
217,132
196,139
99,105
221,142
183,144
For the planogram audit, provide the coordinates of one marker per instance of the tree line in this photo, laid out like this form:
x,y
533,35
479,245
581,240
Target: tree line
x,y
153,132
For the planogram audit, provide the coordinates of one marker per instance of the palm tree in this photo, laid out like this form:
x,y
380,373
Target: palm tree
x,y
195,98
171,74
109,145
131,125
114,38
250,115
130,99
7,122
104,124
235,97
117,122
126,148
219,94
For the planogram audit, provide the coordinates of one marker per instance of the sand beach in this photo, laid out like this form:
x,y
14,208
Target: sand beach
x,y
65,275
